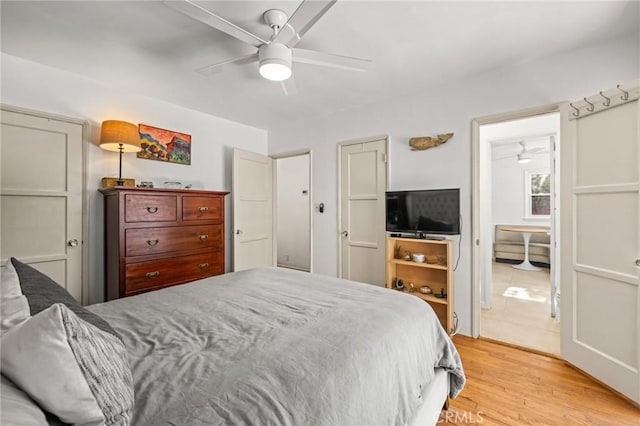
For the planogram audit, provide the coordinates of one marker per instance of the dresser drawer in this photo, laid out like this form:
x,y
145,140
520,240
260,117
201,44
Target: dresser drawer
x,y
201,208
150,208
146,241
148,275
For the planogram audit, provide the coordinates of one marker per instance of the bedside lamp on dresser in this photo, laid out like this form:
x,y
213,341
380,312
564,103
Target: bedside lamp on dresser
x,y
155,238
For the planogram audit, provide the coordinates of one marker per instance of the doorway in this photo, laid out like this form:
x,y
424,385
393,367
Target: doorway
x,y
515,260
293,211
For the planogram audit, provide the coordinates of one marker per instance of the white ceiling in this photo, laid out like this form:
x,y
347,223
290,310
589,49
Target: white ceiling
x,y
148,48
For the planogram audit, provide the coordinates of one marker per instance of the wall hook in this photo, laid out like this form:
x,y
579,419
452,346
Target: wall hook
x,y
607,101
591,106
624,97
577,113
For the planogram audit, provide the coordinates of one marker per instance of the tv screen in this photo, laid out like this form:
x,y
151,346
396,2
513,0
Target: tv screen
x,y
434,211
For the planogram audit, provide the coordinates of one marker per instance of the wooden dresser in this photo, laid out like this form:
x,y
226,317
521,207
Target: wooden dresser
x,y
156,238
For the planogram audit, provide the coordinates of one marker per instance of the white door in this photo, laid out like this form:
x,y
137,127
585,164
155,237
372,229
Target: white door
x,y
363,182
41,180
252,193
600,155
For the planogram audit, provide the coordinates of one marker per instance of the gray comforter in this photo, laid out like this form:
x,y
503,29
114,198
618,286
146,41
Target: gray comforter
x,y
273,346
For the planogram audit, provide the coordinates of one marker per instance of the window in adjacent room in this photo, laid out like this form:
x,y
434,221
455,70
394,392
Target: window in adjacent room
x,y
538,197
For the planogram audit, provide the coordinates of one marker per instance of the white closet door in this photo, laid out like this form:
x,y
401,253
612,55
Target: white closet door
x,y
601,242
363,182
41,174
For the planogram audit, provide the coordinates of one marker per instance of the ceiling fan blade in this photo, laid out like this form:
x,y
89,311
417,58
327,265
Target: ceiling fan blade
x,y
201,14
304,17
537,149
289,87
330,60
219,66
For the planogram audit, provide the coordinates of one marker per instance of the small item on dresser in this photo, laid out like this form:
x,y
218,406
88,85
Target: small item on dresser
x,y
108,182
407,255
425,289
418,257
411,288
431,259
400,285
441,295
145,184
172,185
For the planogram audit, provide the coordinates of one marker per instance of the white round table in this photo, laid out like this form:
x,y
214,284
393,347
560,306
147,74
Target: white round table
x,y
526,236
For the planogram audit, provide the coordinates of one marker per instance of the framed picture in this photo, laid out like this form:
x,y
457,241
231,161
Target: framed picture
x,y
164,145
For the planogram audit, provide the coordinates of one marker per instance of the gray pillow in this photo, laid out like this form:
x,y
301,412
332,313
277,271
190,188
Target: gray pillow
x,y
17,408
42,292
70,368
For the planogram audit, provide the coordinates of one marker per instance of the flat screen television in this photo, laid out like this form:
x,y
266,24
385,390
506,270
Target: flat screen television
x,y
432,211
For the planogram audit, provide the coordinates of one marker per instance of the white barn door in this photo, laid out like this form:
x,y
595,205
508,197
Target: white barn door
x,y
252,192
600,210
41,187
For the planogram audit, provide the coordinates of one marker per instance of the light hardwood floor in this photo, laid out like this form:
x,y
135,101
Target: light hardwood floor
x,y
520,311
508,386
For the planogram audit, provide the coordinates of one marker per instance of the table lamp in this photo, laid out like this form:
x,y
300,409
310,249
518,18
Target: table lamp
x,y
122,137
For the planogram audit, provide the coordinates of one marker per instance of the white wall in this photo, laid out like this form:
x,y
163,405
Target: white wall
x,y
30,85
293,211
508,194
445,108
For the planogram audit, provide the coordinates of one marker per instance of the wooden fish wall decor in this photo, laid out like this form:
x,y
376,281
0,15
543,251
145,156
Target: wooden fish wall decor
x,y
426,142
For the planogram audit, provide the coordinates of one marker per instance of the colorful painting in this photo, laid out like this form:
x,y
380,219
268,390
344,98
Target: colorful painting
x,y
164,145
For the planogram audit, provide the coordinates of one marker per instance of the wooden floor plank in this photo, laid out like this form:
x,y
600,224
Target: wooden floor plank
x,y
509,386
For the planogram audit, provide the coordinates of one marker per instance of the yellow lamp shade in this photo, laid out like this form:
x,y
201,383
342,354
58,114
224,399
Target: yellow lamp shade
x,y
119,136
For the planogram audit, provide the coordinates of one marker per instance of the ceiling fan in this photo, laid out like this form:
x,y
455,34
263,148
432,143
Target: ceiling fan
x,y
275,55
526,154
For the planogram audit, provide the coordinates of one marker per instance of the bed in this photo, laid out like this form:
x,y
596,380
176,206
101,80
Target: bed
x,y
282,347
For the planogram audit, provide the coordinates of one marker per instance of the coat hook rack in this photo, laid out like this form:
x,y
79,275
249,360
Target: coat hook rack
x,y
591,106
577,113
625,96
607,101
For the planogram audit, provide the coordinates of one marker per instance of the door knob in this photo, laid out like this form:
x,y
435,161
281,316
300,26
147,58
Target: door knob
x,y
72,243
637,262
238,231
345,233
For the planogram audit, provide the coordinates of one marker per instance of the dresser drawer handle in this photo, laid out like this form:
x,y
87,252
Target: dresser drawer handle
x,y
153,242
152,209
154,274
204,265
204,237
203,209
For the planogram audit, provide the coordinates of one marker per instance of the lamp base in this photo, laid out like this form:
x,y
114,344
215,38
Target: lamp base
x,y
108,182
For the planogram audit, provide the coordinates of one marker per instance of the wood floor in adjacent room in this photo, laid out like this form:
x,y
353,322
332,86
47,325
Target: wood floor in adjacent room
x,y
509,386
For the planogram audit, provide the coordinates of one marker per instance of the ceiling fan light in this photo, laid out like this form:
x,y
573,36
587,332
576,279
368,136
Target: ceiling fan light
x,y
524,158
275,70
275,61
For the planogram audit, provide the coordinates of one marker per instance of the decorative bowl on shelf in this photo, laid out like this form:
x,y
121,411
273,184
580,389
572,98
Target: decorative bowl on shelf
x,y
418,257
425,289
172,185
